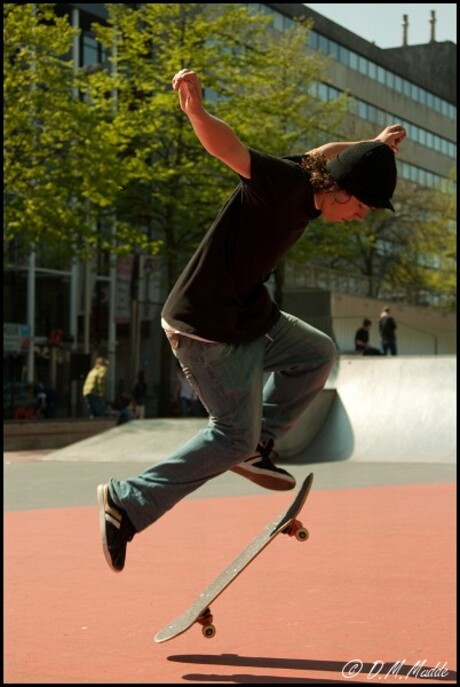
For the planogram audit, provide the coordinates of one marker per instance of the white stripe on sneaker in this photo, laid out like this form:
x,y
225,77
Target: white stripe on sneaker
x,y
113,521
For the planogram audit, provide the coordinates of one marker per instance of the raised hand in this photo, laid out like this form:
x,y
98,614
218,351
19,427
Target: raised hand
x,y
392,136
188,85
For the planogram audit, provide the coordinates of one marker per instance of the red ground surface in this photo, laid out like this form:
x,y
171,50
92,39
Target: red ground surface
x,y
375,582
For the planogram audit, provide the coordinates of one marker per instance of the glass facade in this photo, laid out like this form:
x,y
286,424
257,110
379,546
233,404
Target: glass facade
x,y
370,113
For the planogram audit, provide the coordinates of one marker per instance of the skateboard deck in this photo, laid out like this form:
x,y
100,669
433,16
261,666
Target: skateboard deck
x,y
200,611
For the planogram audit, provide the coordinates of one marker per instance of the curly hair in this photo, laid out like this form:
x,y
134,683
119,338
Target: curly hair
x,y
320,179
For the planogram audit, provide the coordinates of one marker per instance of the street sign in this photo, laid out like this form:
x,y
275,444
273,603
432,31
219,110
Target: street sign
x,y
16,337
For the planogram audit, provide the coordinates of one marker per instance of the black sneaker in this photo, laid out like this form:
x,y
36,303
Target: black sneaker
x,y
116,529
260,469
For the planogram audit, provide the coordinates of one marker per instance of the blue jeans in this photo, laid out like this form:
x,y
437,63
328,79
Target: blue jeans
x,y
96,405
229,380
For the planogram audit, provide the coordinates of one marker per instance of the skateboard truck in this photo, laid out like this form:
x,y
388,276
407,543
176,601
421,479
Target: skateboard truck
x,y
205,620
297,530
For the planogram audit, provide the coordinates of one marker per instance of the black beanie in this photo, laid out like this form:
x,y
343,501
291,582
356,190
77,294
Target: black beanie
x,y
368,171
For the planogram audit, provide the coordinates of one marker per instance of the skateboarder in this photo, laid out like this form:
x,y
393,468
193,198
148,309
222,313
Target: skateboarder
x,y
224,329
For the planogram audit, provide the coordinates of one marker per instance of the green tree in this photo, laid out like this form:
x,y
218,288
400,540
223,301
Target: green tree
x,y
425,272
409,254
61,172
82,145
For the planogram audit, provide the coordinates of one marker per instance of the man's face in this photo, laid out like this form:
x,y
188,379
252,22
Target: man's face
x,y
340,206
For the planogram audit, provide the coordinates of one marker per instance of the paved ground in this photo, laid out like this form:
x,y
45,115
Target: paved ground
x,y
372,590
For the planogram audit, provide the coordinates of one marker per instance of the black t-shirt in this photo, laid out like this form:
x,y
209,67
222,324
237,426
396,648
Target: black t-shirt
x,y
221,294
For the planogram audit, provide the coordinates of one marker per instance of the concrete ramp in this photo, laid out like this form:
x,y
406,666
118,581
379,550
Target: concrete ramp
x,y
373,409
139,441
400,409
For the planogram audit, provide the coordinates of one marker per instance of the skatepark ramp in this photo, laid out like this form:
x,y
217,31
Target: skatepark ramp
x,y
382,409
373,409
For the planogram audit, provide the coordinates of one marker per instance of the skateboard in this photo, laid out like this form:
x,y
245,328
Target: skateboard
x,y
199,611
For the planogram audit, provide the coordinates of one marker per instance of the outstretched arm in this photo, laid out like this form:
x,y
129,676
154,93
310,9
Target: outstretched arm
x,y
217,137
391,135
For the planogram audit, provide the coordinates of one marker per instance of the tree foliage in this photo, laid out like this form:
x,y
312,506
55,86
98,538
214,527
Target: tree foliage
x,y
61,172
407,255
85,146
172,188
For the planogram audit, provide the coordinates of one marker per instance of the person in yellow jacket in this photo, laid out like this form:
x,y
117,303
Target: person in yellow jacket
x,y
94,388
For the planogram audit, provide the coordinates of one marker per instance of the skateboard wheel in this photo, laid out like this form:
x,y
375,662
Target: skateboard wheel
x,y
302,534
209,631
297,530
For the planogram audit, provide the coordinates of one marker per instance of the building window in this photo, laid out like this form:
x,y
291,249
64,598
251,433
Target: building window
x,y
278,21
92,52
313,40
323,44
